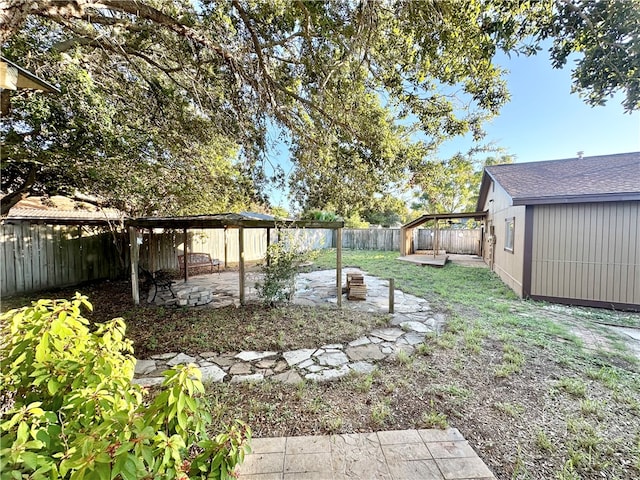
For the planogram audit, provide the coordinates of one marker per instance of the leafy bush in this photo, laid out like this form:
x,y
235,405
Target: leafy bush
x,y
70,410
284,258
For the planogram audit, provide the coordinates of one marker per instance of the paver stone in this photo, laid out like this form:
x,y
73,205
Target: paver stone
x,y
328,375
294,357
362,367
144,366
254,377
148,381
181,358
415,327
290,377
212,373
365,352
250,356
333,359
388,334
456,468
360,341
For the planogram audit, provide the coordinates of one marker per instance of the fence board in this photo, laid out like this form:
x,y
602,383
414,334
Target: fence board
x,y
41,256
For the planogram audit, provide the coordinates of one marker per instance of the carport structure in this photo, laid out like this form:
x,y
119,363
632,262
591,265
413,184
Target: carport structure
x,y
406,231
226,221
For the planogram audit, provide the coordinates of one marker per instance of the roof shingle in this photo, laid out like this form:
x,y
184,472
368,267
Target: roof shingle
x,y
589,177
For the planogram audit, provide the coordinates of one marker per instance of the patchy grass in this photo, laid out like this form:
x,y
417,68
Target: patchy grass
x,y
540,391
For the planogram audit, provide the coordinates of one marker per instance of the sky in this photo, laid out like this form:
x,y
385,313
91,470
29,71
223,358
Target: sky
x,y
543,120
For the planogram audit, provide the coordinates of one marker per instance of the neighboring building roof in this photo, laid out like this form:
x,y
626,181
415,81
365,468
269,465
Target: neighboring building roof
x,y
61,210
572,180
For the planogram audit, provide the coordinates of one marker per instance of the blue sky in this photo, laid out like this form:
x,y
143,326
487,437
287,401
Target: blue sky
x,y
543,120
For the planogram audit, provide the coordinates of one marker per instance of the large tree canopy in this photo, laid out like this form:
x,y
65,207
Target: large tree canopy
x,y
162,99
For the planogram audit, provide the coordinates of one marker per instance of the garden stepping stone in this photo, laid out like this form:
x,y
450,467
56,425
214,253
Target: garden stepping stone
x,y
332,359
255,377
328,375
365,352
148,381
362,367
290,377
360,341
181,358
414,338
240,368
266,363
145,366
389,334
212,373
251,356
294,357
415,326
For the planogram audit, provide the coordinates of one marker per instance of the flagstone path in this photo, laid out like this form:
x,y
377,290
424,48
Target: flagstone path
x,y
412,320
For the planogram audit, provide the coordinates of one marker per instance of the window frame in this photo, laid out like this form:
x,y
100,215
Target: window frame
x,y
509,234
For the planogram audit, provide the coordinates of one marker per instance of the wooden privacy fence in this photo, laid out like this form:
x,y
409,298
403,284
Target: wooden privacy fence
x,y
160,251
38,257
465,242
453,241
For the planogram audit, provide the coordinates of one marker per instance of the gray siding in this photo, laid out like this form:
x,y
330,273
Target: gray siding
x,y
587,251
507,264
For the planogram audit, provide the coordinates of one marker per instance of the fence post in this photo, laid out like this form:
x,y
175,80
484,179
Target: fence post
x,y
392,290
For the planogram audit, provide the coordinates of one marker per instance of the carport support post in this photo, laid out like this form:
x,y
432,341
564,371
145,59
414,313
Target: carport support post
x,y
185,259
226,246
339,266
241,263
268,243
134,254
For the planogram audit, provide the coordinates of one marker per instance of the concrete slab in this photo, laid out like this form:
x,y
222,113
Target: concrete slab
x,y
389,455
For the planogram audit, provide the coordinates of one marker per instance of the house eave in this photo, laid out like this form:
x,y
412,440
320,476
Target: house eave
x,y
563,199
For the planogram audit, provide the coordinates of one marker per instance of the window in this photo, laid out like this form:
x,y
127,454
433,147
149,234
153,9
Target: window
x,y
509,232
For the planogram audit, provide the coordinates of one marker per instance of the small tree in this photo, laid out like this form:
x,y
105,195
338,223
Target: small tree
x,y
283,261
70,410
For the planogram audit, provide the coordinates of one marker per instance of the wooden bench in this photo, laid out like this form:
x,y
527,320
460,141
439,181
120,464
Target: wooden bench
x,y
198,260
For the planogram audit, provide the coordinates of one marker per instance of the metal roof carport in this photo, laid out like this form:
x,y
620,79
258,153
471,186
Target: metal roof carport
x,y
239,221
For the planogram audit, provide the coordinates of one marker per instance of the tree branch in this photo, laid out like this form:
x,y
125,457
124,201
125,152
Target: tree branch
x,y
9,200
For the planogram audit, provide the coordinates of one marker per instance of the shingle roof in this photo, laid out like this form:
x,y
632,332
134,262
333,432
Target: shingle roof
x,y
599,178
61,210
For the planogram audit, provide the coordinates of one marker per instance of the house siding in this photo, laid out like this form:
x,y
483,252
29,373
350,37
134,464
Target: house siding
x,y
508,265
588,252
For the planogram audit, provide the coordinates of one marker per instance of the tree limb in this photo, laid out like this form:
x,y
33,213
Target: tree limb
x,y
9,200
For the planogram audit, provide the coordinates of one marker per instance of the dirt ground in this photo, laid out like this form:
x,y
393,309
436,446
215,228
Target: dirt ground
x,y
567,406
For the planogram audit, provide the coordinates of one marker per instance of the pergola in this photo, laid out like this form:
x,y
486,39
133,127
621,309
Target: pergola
x,y
406,237
226,221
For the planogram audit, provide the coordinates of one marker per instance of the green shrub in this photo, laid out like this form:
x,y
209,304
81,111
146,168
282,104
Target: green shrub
x,y
281,268
70,411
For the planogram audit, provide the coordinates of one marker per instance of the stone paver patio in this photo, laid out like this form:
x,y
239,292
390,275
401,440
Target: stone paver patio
x,y
389,455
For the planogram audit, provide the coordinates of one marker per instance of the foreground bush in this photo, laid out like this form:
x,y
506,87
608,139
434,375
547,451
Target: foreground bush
x,y
69,409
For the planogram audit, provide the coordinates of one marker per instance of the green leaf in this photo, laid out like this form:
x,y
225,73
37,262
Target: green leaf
x,y
53,386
